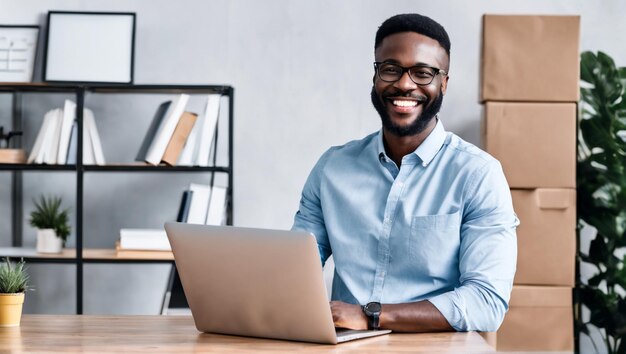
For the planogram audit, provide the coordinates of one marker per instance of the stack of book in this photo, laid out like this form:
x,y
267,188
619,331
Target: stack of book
x,y
57,139
143,244
200,204
177,137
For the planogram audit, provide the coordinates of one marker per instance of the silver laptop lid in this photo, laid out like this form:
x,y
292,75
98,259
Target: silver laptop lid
x,y
253,282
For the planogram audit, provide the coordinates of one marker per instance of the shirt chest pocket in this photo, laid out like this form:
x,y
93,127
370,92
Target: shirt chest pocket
x,y
434,241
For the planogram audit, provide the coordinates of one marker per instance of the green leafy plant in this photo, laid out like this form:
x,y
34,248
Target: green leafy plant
x,y
13,278
602,196
48,215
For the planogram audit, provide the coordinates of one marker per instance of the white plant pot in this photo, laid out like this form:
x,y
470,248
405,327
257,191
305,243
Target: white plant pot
x,y
48,242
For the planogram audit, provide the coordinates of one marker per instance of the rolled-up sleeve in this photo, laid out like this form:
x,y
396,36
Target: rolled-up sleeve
x,y
487,255
310,216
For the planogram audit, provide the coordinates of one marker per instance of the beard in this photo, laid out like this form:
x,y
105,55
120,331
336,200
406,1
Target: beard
x,y
416,127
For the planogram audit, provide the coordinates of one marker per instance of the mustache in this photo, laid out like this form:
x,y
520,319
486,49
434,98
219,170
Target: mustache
x,y
419,98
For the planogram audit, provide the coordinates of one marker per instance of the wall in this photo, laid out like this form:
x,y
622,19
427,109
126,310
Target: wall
x,y
302,72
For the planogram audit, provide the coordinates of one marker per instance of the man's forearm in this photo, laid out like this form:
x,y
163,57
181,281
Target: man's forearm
x,y
420,316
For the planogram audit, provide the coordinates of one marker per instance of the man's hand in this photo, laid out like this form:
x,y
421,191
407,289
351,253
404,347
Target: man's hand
x,y
348,315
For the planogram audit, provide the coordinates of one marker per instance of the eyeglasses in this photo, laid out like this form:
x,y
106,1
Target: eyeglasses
x,y
420,74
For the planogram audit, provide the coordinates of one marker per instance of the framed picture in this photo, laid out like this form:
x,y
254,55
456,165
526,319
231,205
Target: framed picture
x,y
18,48
95,47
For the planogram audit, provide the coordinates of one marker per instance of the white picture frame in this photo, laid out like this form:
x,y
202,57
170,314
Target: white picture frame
x,y
18,50
94,47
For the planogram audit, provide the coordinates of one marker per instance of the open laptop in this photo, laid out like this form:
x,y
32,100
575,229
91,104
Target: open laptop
x,y
255,282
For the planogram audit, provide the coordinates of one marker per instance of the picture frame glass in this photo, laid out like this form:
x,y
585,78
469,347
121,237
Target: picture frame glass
x,y
18,48
90,47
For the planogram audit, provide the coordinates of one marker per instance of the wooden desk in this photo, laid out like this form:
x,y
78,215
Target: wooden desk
x,y
177,334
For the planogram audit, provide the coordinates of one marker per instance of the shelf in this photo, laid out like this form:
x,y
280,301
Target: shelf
x,y
142,167
130,167
35,167
31,255
111,255
161,89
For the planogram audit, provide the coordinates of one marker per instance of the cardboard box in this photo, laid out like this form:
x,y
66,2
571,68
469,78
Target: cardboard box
x,y
546,236
534,142
540,318
530,58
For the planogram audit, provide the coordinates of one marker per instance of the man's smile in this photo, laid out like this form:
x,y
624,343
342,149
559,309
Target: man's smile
x,y
405,105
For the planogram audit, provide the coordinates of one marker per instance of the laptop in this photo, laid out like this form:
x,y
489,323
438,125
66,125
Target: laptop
x,y
255,282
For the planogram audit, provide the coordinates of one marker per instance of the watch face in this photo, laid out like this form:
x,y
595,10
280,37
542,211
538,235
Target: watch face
x,y
373,307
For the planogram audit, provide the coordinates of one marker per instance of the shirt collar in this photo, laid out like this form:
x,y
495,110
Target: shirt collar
x,y
427,150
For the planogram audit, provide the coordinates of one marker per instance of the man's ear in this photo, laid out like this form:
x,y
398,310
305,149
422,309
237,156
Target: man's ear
x,y
374,78
444,84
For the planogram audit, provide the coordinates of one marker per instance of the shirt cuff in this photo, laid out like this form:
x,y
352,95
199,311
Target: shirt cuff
x,y
450,305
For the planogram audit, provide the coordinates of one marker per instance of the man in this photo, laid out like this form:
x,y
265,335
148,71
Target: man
x,y
419,222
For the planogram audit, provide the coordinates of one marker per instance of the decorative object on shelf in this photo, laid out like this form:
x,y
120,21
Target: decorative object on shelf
x,y
602,197
13,284
18,48
90,47
8,155
52,223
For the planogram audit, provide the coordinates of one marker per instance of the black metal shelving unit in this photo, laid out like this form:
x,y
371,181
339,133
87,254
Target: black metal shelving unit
x,y
80,91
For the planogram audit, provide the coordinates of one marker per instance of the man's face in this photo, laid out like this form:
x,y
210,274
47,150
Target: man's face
x,y
406,108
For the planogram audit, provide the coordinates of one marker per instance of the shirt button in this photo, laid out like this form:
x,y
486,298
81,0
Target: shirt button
x,y
424,164
400,184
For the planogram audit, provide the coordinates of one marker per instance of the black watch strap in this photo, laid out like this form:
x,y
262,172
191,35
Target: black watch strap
x,y
373,321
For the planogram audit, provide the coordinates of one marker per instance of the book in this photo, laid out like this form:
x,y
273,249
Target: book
x,y
175,146
141,254
88,155
152,130
187,157
70,159
144,239
185,203
207,131
52,142
166,129
36,154
90,125
65,130
199,203
217,206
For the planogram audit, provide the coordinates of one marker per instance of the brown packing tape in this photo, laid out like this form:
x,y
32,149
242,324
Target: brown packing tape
x,y
530,58
554,198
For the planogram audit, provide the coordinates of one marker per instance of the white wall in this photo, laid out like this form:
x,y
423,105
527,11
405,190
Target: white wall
x,y
302,74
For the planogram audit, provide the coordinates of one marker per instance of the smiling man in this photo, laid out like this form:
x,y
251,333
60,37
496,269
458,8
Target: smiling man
x,y
419,222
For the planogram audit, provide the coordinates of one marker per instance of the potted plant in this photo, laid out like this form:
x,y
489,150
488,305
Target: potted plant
x,y
52,223
13,284
602,199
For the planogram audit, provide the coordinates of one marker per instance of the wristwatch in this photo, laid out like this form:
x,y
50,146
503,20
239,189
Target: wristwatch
x,y
372,310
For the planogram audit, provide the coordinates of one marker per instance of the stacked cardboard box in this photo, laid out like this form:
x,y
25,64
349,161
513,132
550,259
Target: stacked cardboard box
x,y
530,74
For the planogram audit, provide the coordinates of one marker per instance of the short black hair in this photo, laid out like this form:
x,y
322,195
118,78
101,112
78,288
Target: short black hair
x,y
413,23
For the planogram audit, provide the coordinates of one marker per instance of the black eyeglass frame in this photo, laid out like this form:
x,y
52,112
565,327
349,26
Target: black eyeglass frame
x,y
406,70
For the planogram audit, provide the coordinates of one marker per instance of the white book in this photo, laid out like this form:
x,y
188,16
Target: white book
x,y
50,155
199,203
90,124
217,206
144,239
166,129
36,154
207,132
65,130
88,155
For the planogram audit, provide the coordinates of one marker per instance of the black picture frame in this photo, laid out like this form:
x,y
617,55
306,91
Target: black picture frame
x,y
29,77
53,70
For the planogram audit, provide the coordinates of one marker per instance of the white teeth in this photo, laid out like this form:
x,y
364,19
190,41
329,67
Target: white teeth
x,y
404,103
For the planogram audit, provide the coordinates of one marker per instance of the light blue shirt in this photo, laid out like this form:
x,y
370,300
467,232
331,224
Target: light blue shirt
x,y
440,227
